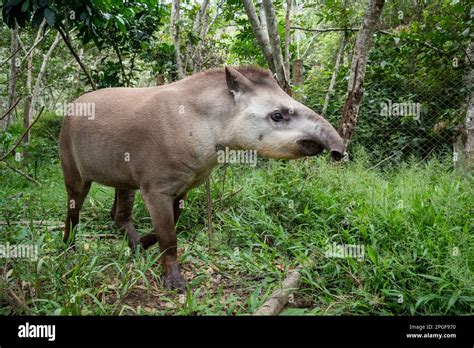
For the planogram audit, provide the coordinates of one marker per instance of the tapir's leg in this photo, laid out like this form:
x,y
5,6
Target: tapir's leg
x,y
150,239
113,212
178,206
123,215
160,207
76,194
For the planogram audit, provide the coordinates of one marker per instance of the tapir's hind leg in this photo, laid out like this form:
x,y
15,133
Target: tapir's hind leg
x,y
76,194
122,213
113,211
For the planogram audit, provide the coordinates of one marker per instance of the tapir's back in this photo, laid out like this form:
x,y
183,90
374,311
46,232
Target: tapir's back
x,y
105,128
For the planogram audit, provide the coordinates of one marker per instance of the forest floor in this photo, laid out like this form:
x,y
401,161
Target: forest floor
x,y
414,224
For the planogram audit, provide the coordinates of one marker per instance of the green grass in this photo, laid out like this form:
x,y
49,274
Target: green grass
x,y
415,223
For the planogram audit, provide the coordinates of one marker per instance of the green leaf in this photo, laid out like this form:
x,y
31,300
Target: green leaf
x,y
425,299
427,276
372,254
295,311
453,299
25,6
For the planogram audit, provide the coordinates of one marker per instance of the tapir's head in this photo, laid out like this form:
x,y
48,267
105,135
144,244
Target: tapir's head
x,y
270,121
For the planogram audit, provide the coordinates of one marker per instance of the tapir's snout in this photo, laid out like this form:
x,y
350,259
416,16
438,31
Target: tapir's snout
x,y
322,136
336,155
335,146
337,152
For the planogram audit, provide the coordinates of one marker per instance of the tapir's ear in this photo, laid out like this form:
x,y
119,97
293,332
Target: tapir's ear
x,y
236,82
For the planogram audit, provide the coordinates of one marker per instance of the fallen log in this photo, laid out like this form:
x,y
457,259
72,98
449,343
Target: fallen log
x,y
278,300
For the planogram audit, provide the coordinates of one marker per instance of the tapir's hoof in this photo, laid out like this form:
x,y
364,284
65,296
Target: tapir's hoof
x,y
134,244
175,282
148,240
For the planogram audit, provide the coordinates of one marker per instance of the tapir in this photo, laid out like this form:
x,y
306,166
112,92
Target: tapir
x,y
164,140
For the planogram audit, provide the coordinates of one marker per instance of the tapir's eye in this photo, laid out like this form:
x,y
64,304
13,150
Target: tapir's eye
x,y
277,116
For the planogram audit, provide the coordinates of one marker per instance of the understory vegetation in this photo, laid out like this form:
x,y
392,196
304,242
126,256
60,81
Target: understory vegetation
x,y
414,222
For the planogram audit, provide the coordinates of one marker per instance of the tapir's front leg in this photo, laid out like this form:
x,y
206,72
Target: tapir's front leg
x,y
150,239
160,207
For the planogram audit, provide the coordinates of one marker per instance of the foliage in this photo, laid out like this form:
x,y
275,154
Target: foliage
x,y
411,221
406,66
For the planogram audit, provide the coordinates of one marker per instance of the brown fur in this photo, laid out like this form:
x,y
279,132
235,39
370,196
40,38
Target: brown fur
x,y
254,73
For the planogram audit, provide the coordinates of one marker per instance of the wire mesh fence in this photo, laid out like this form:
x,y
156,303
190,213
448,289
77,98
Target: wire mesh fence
x,y
407,117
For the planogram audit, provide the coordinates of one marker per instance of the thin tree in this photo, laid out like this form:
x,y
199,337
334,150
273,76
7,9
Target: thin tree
x,y
13,73
27,115
174,30
358,66
275,45
467,136
193,55
260,32
39,77
287,39
332,84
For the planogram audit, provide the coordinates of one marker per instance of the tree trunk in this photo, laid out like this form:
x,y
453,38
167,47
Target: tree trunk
x,y
28,103
197,28
287,39
332,84
202,36
160,80
12,78
298,72
261,35
39,77
27,111
26,123
464,142
275,45
356,78
263,21
174,28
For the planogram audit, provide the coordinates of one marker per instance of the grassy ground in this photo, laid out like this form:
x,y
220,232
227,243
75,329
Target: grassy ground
x,y
415,224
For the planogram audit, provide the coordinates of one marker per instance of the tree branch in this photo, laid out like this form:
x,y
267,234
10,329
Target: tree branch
x,y
277,301
381,31
325,30
10,109
26,176
24,134
9,57
71,49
